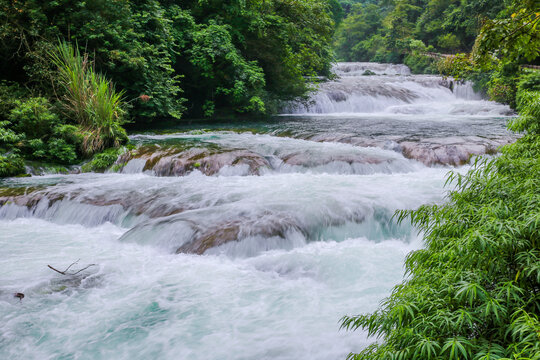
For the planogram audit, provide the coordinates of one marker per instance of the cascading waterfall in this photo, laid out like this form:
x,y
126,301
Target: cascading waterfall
x,y
390,88
243,240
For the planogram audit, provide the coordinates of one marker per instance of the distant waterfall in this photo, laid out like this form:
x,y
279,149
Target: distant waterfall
x,y
390,88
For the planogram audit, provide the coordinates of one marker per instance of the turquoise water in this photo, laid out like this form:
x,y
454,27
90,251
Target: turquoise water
x,y
297,210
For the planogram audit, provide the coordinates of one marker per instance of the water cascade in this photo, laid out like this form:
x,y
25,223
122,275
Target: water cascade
x,y
390,88
238,240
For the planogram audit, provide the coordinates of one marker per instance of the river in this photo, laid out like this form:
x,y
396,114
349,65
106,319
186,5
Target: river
x,y
244,240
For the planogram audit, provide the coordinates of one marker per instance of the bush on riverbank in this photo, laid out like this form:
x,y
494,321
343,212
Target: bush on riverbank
x,y
89,100
86,117
473,291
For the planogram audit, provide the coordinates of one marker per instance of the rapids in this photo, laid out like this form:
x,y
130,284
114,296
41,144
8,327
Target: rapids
x,y
244,240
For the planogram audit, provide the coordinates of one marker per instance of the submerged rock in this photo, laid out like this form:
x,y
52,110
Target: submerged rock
x,y
236,230
454,150
451,150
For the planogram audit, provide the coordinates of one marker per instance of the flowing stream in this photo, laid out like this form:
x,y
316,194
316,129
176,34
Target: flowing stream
x,y
246,240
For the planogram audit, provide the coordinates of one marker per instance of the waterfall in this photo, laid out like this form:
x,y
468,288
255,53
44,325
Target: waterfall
x,y
389,88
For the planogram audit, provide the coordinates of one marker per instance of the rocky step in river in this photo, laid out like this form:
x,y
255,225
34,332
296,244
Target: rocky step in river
x,y
293,218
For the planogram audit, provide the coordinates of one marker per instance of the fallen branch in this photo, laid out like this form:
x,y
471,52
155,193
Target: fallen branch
x,y
65,272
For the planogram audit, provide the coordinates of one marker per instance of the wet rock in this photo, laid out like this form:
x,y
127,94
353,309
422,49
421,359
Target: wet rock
x,y
237,230
337,96
210,238
451,150
454,150
304,159
30,199
210,164
179,162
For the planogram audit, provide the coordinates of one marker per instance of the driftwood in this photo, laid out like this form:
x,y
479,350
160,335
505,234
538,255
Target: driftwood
x,y
65,272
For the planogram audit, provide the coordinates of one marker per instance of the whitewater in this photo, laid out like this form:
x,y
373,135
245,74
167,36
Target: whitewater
x,y
243,240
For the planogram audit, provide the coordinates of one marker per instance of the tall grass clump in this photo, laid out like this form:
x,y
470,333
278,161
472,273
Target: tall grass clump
x,y
473,292
89,99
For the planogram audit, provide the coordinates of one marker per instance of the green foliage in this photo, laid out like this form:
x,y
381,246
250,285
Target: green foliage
x,y
33,117
448,42
416,59
102,161
511,38
227,77
10,92
11,165
530,80
472,292
459,66
336,11
356,38
90,100
385,31
130,41
33,128
528,104
161,52
61,150
8,137
501,91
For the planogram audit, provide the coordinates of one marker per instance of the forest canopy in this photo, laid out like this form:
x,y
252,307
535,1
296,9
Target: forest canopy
x,y
399,31
190,58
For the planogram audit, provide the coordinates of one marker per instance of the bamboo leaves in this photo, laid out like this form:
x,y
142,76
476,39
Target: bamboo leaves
x,y
473,292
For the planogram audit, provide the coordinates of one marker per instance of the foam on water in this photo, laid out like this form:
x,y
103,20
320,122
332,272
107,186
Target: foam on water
x,y
141,303
360,68
286,253
274,211
355,93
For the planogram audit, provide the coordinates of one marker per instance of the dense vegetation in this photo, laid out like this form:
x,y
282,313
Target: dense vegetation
x,y
401,31
147,61
473,292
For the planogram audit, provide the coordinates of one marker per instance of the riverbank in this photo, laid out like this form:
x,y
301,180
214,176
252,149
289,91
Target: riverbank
x,y
473,291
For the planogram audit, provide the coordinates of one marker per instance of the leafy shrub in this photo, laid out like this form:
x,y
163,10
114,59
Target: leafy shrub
x,y
472,292
9,93
448,42
529,81
459,66
420,64
70,133
90,100
37,148
102,161
39,132
528,104
33,117
504,83
11,165
61,150
8,137
500,91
